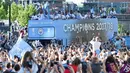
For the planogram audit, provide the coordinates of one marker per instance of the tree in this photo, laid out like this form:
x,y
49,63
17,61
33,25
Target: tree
x,y
23,18
120,28
25,13
0,3
20,8
14,11
6,5
2,13
30,9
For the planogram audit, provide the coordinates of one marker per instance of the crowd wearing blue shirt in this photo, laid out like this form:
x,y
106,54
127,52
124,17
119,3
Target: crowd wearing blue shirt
x,y
121,42
127,40
45,13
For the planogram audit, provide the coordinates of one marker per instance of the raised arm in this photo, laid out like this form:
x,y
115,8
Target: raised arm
x,y
80,68
104,67
61,66
56,69
43,68
89,69
71,69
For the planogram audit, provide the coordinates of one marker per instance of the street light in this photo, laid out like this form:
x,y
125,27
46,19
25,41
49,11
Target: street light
x,y
9,19
98,6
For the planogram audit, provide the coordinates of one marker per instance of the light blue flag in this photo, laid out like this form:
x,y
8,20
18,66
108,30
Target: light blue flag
x,y
46,8
20,48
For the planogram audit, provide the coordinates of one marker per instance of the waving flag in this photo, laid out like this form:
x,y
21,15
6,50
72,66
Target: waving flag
x,y
46,8
20,48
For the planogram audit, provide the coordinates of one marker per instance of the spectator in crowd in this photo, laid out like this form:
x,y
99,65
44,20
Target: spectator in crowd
x,y
76,66
22,32
9,68
59,14
69,13
16,60
110,65
103,13
118,43
0,37
127,40
76,57
78,15
86,66
98,15
34,17
56,17
52,15
72,16
63,16
125,68
16,68
113,13
96,45
28,64
87,16
4,40
92,13
96,65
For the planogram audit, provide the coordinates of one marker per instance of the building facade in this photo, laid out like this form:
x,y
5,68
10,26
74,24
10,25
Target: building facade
x,y
54,3
121,6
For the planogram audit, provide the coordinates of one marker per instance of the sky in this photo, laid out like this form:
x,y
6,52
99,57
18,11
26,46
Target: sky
x,y
78,2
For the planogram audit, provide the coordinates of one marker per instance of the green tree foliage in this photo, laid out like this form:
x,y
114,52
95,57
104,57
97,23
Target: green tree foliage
x,y
6,5
2,12
23,18
24,13
120,28
18,12
20,8
0,3
14,11
3,9
30,9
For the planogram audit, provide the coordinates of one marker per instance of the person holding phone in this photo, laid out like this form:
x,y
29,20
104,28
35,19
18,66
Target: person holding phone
x,y
28,64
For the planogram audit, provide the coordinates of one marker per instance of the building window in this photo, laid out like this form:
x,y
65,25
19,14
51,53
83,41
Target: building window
x,y
124,5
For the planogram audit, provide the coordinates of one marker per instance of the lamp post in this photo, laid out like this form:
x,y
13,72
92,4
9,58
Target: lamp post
x,y
9,19
98,6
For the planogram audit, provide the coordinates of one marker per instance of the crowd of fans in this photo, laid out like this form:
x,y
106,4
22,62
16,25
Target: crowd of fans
x,y
96,56
5,43
73,14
